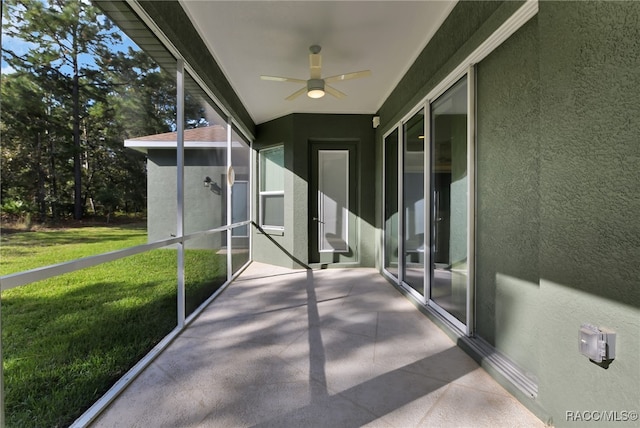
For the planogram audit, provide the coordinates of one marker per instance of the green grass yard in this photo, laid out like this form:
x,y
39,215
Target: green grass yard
x,y
67,339
28,250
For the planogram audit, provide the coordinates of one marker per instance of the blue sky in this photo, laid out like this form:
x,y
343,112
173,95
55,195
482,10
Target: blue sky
x,y
17,45
21,47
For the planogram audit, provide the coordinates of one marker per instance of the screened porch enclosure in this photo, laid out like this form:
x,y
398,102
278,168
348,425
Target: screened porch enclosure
x,y
422,249
104,309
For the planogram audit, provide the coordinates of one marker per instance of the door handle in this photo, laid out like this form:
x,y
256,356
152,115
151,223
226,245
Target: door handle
x,y
318,220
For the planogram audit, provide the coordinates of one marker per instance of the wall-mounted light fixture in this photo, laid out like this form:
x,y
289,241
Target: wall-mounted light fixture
x,y
212,185
597,343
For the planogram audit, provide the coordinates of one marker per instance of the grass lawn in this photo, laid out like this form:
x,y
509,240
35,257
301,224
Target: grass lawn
x,y
67,339
27,250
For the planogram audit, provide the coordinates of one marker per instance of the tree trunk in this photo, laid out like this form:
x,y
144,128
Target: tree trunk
x,y
77,148
54,183
40,191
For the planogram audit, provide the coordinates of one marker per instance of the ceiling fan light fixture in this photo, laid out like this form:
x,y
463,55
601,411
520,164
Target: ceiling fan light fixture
x,y
315,93
315,88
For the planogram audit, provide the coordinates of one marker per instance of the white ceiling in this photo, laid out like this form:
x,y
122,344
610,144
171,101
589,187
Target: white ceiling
x,y
251,38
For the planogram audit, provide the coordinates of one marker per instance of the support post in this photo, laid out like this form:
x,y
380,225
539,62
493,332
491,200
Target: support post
x,y
229,199
180,190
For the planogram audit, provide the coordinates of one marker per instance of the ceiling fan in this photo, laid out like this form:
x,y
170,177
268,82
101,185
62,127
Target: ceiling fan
x,y
316,86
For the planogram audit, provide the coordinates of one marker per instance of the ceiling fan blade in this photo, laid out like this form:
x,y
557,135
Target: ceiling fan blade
x,y
315,65
283,79
333,91
348,76
297,93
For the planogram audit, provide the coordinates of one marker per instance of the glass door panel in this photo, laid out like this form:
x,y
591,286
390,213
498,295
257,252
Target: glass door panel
x,y
413,203
333,201
391,203
449,201
333,208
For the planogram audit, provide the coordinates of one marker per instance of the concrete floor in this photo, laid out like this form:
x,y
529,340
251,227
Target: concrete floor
x,y
330,348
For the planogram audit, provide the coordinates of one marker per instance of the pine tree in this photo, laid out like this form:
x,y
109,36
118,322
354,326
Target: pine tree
x,y
65,38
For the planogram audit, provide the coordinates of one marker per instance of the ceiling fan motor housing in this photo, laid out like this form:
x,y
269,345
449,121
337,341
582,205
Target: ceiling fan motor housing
x,y
315,88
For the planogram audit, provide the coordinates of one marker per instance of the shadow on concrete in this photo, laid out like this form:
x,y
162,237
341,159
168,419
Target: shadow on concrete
x,y
372,399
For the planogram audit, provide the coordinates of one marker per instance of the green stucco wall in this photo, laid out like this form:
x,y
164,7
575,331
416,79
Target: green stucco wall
x,y
203,209
589,201
296,132
468,24
507,195
558,193
277,247
557,178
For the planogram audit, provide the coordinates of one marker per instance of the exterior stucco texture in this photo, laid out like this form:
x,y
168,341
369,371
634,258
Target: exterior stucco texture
x,y
507,183
589,200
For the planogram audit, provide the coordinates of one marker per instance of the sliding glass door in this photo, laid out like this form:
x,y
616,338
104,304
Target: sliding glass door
x,y
413,203
449,202
428,203
391,242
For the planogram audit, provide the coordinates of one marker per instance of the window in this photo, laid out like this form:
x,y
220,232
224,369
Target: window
x,y
240,207
272,188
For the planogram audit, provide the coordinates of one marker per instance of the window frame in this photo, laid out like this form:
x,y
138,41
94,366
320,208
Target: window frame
x,y
263,194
